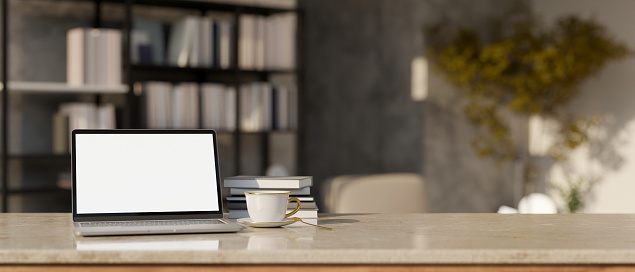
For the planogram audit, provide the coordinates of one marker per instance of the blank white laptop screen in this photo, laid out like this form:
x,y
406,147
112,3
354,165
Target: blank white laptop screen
x,y
137,173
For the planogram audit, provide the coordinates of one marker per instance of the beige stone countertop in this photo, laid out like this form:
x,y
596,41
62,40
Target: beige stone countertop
x,y
357,239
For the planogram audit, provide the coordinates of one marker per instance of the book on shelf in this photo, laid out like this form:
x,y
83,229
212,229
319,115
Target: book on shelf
x,y
242,198
153,42
206,43
265,106
79,115
224,49
60,133
185,106
158,104
308,213
93,56
200,42
177,106
305,191
265,182
139,39
242,205
267,42
213,96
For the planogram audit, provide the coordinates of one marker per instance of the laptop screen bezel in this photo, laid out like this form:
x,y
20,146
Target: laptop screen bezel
x,y
144,215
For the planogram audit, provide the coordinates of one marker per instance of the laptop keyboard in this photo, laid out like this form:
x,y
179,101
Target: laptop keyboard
x,y
150,223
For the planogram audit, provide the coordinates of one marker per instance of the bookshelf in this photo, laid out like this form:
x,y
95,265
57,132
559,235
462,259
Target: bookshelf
x,y
133,73
62,88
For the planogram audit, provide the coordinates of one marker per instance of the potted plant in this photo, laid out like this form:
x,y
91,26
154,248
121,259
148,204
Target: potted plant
x,y
520,65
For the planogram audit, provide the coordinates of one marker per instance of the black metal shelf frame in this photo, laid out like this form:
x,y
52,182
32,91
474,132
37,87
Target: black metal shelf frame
x,y
135,72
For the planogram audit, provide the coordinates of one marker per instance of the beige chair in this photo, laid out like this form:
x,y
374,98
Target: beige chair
x,y
376,193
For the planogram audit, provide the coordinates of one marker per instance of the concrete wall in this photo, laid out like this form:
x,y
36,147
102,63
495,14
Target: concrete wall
x,y
360,117
611,155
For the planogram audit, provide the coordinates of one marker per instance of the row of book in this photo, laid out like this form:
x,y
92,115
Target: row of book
x,y
267,42
171,106
77,115
299,186
93,56
264,106
195,42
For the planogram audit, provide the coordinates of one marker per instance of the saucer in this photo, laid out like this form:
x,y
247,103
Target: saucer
x,y
250,223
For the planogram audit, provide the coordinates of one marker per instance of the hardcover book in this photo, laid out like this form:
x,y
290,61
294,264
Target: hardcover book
x,y
264,182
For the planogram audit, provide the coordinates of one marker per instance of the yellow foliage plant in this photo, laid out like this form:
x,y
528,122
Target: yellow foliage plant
x,y
519,64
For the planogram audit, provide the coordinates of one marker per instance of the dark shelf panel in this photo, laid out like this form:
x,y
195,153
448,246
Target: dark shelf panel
x,y
37,190
267,132
142,72
203,5
40,157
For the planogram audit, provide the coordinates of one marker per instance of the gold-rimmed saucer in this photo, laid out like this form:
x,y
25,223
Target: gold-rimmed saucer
x,y
250,223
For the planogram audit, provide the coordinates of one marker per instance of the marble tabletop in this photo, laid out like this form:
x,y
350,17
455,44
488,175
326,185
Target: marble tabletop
x,y
356,239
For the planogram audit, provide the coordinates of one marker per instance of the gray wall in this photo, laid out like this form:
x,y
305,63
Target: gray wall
x,y
359,116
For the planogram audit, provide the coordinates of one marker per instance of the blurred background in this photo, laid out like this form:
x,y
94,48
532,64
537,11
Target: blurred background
x,y
482,102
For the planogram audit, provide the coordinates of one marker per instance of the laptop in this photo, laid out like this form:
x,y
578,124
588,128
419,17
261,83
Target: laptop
x,y
129,182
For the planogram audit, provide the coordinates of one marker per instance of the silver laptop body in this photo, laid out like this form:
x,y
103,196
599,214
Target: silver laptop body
x,y
128,182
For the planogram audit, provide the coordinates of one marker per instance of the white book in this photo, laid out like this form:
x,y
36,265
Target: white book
x,y
213,96
288,40
60,133
206,42
178,102
283,107
302,191
259,43
177,37
75,56
101,61
245,108
245,42
180,43
164,105
290,182
91,56
116,57
110,57
267,106
225,43
192,106
256,107
234,214
150,100
106,117
230,108
242,205
194,54
242,198
293,107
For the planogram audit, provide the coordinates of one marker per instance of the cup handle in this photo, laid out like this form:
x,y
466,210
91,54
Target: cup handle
x,y
296,208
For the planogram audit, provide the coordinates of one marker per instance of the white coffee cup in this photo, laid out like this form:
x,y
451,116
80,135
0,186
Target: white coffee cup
x,y
269,206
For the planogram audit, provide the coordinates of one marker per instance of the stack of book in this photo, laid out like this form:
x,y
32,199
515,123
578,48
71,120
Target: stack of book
x,y
299,186
93,56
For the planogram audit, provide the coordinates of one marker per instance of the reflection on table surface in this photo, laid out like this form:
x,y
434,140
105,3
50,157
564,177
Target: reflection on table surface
x,y
294,236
